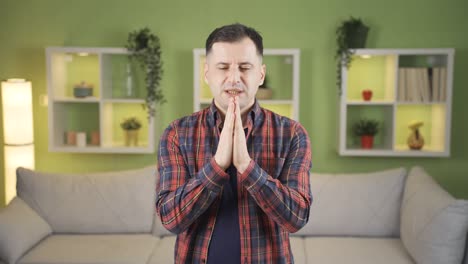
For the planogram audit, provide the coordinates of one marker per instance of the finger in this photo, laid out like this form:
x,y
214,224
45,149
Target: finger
x,y
229,119
238,123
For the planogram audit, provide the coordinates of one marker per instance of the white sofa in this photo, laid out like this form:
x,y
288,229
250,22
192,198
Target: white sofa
x,y
380,217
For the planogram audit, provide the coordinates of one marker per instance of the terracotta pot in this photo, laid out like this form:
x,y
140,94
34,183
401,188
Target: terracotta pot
x,y
95,138
70,138
367,142
366,95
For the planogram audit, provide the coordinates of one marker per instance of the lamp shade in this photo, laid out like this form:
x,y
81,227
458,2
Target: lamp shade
x,y
16,156
17,112
17,131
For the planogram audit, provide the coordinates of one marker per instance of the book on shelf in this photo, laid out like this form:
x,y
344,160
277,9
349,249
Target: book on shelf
x,y
436,84
421,84
401,85
443,84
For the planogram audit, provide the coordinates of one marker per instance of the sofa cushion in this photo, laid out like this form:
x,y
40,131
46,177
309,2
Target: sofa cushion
x,y
20,229
111,202
298,250
84,249
433,223
163,253
359,204
339,250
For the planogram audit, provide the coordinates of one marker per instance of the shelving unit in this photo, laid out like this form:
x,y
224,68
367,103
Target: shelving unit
x,y
283,76
407,85
118,93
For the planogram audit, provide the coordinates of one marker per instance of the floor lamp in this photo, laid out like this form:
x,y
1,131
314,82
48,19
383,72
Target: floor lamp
x,y
17,131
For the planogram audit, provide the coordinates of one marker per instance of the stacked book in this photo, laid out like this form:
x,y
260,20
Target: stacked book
x,y
422,84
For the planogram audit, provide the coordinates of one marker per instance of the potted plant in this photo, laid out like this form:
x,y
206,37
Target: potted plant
x,y
145,47
366,129
131,126
351,34
264,92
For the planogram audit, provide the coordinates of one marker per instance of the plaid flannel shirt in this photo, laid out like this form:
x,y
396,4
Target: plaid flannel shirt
x,y
274,194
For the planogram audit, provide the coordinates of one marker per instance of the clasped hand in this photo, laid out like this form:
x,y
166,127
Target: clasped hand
x,y
232,147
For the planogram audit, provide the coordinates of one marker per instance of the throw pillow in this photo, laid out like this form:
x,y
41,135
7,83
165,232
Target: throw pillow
x,y
105,202
20,229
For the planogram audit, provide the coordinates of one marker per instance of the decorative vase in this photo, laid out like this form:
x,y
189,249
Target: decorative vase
x,y
81,139
367,142
415,139
131,137
129,85
366,95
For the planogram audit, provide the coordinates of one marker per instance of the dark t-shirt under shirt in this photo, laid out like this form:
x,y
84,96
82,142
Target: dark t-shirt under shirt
x,y
225,242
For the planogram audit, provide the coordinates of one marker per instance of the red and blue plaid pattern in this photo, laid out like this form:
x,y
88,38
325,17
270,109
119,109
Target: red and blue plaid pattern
x,y
274,194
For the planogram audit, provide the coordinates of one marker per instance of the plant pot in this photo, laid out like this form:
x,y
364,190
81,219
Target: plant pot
x,y
264,93
357,38
367,142
131,137
366,95
95,138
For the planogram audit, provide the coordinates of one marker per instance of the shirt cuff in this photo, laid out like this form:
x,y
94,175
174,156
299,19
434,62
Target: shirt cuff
x,y
213,176
253,177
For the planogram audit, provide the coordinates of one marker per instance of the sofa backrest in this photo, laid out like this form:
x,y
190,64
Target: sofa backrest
x,y
111,202
359,204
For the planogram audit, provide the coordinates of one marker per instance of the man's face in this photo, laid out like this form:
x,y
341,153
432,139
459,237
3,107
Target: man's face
x,y
234,69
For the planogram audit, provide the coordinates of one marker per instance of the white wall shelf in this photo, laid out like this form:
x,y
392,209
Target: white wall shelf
x,y
407,85
118,93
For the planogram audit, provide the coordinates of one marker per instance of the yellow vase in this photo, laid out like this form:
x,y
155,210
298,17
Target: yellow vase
x,y
415,140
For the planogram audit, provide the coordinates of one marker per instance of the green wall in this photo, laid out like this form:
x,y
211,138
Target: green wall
x,y
28,26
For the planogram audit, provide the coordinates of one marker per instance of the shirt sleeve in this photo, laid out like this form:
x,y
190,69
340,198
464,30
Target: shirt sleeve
x,y
181,197
286,199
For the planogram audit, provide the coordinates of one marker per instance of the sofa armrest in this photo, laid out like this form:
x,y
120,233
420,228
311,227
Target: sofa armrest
x,y
433,223
20,229
466,250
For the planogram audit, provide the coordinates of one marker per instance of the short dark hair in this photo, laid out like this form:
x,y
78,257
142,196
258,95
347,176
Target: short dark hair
x,y
234,33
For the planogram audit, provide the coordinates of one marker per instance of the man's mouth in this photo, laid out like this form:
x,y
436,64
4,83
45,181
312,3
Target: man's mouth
x,y
233,92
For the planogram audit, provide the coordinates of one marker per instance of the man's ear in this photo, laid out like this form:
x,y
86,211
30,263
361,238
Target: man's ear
x,y
262,74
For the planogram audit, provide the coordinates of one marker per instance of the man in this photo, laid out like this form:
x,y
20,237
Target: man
x,y
234,177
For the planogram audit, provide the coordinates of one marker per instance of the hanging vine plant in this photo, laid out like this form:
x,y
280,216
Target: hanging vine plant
x,y
145,48
351,34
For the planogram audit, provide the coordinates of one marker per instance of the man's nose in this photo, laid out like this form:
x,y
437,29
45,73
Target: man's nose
x,y
234,75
